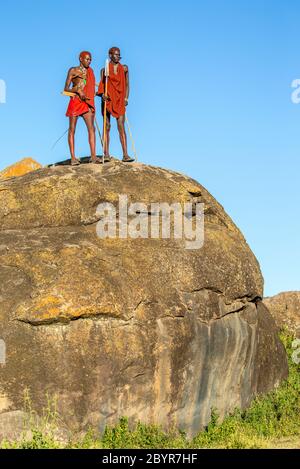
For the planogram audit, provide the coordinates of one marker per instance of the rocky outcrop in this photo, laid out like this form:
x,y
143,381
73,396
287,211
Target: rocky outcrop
x,y
24,166
143,327
285,309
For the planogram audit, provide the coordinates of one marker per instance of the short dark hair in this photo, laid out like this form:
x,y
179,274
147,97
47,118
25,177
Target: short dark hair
x,y
83,53
112,50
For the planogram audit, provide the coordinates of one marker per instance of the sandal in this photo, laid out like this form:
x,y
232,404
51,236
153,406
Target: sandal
x,y
95,160
75,162
127,159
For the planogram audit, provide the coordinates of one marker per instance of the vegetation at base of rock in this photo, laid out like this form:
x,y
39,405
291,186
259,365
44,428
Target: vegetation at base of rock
x,y
268,419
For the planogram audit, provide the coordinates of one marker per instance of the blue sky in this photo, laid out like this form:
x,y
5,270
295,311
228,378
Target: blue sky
x,y
210,97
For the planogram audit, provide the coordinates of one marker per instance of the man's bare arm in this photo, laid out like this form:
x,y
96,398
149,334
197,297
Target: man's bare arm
x,y
102,78
75,89
126,70
102,74
69,79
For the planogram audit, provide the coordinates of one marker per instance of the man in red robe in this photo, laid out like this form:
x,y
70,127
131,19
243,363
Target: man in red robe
x,y
116,99
82,104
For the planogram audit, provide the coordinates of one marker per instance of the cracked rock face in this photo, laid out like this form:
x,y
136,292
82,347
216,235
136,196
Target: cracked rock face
x,y
142,328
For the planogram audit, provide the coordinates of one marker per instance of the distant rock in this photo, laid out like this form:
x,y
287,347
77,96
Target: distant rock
x,y
142,328
24,166
285,309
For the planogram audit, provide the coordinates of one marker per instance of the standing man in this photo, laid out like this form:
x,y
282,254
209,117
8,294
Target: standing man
x,y
82,104
116,99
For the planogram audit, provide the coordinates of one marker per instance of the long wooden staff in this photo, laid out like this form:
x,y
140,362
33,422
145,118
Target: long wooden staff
x,y
106,74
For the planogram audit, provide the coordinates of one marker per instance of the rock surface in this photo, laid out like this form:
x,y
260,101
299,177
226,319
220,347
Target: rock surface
x,y
142,328
285,309
24,166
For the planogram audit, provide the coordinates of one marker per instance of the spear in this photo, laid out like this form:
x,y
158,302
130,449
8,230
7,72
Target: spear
x,y
106,73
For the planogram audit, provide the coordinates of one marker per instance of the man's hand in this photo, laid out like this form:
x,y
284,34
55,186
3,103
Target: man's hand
x,y
81,95
105,98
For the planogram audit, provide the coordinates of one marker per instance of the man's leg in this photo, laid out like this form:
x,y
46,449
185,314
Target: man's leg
x,y
106,133
122,135
71,137
89,118
123,138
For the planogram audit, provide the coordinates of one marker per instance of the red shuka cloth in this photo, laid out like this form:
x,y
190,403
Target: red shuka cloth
x,y
116,90
76,106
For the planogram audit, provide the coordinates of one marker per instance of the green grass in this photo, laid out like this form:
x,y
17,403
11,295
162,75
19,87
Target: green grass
x,y
270,417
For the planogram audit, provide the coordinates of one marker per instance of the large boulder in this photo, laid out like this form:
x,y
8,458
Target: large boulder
x,y
285,309
144,327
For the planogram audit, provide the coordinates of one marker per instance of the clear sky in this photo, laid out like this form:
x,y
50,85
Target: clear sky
x,y
210,97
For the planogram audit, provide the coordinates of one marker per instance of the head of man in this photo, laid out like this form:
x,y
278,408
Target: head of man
x,y
114,54
85,58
